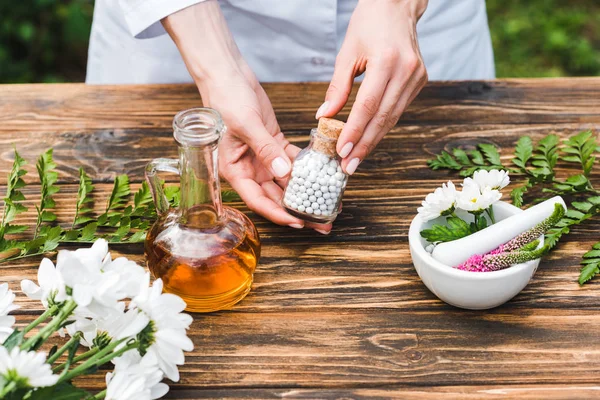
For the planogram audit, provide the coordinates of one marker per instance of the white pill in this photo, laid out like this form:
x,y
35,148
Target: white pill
x,y
316,186
295,188
301,189
307,184
306,203
312,164
326,196
322,181
317,212
325,213
310,191
331,171
310,178
309,210
339,176
332,164
294,206
300,181
288,201
333,181
318,193
332,188
338,184
303,173
323,207
328,201
324,189
312,198
301,208
320,200
295,173
303,196
330,207
339,168
315,205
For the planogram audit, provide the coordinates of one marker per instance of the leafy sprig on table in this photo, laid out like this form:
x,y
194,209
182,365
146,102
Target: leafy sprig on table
x,y
536,165
121,221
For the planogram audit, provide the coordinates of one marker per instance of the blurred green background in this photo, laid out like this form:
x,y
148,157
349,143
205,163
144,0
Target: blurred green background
x,y
46,40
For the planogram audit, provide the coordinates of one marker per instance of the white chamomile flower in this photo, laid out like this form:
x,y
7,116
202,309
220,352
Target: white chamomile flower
x,y
473,200
118,324
493,179
7,297
165,334
440,202
135,377
130,275
51,287
25,368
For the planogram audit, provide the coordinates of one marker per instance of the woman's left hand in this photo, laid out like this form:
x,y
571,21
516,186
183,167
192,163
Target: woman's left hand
x,y
381,42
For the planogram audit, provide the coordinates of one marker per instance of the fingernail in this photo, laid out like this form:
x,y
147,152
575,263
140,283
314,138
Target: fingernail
x,y
352,165
296,226
322,110
280,167
323,232
346,149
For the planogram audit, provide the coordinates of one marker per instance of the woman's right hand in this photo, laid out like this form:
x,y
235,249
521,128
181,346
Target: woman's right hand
x,y
254,156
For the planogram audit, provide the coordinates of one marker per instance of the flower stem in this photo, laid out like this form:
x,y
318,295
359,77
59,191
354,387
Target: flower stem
x,y
80,357
44,333
490,213
8,388
59,352
100,358
100,395
45,315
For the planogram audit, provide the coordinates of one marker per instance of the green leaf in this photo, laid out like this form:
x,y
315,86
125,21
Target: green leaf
x,y
84,199
580,148
230,196
120,193
443,160
461,156
588,271
14,339
456,228
15,229
45,167
88,231
71,235
61,391
491,153
12,207
137,237
582,206
477,157
173,195
517,193
523,152
142,197
51,239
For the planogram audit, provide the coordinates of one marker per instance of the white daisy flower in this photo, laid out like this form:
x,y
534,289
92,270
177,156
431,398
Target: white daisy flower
x,y
7,298
493,179
440,202
118,324
25,368
473,200
135,377
165,334
51,287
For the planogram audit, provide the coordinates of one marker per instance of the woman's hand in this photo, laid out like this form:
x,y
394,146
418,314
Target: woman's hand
x,y
254,156
382,42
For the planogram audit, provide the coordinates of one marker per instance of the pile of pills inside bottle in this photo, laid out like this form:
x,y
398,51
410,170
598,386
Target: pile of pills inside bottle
x,y
314,191
316,185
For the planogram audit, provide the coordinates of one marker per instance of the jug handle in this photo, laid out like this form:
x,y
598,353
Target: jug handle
x,y
156,188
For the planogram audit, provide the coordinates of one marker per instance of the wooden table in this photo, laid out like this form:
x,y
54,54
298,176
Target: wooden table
x,y
344,315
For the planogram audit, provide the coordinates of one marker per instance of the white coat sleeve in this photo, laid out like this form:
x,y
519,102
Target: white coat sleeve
x,y
143,16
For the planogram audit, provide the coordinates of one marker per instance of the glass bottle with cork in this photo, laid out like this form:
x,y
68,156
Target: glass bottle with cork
x,y
315,189
205,252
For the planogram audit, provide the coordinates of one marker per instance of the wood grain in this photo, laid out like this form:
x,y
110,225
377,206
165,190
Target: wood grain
x,y
344,315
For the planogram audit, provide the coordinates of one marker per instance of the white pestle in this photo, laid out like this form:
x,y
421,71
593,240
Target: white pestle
x,y
458,251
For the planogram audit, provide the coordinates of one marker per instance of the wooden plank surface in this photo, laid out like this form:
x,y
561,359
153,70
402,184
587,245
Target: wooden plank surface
x,y
343,316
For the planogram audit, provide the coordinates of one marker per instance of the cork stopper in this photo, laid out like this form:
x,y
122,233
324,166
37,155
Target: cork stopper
x,y
328,132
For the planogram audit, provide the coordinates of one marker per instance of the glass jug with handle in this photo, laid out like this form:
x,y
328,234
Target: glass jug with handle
x,y
204,252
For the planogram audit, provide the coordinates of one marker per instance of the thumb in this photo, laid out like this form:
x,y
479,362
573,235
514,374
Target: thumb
x,y
268,150
339,89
